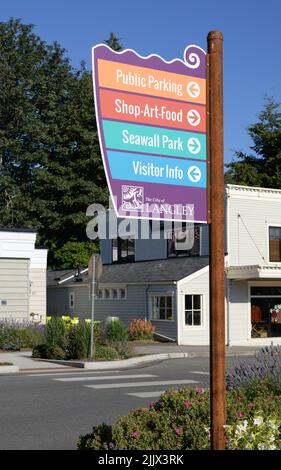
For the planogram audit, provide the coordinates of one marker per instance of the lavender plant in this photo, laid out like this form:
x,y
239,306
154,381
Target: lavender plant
x,y
265,366
15,335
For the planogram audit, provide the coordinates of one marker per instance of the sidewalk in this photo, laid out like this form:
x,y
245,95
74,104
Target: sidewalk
x,y
193,351
147,353
24,361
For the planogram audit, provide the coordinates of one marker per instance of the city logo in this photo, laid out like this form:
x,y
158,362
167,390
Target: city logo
x,y
132,198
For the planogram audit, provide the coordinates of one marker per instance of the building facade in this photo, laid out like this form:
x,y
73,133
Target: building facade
x,y
149,278
22,276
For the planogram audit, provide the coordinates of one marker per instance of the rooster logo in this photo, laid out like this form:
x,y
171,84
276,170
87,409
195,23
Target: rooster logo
x,y
132,198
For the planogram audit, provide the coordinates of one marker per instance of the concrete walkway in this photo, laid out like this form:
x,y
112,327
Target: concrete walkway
x,y
24,361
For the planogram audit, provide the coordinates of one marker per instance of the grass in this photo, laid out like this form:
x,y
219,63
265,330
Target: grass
x,y
6,364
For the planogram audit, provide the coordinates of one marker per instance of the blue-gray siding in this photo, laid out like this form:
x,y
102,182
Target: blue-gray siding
x,y
135,306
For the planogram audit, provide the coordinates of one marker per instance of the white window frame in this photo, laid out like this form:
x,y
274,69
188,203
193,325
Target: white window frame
x,y
160,294
202,324
71,300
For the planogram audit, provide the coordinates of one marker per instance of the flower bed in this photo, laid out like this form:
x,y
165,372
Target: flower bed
x,y
180,420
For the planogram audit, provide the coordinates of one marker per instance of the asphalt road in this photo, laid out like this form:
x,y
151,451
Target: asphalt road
x,y
50,410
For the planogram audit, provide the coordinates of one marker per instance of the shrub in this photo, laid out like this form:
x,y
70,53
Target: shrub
x,y
55,352
116,331
78,341
40,351
265,366
105,353
180,420
141,329
55,333
124,349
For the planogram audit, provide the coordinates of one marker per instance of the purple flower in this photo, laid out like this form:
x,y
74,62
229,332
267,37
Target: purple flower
x,y
200,391
239,414
187,404
134,434
179,431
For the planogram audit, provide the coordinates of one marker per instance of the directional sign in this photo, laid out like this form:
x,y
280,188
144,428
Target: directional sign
x,y
194,174
193,117
194,145
193,89
151,117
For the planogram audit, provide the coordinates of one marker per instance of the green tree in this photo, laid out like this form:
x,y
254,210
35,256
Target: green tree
x,y
263,167
114,43
51,169
74,254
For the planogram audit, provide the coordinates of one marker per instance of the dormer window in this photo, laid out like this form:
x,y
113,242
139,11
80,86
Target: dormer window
x,y
123,250
275,244
184,242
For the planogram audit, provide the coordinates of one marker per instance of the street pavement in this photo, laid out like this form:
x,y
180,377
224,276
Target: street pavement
x,y
50,409
24,361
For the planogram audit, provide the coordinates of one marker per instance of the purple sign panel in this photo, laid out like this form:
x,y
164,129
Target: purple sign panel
x,y
151,117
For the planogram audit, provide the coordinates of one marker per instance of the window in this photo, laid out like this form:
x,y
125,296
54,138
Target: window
x,y
193,310
265,311
275,244
106,294
123,250
112,294
122,293
71,299
178,238
162,307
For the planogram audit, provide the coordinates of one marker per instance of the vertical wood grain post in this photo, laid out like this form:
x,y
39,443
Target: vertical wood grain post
x,y
216,200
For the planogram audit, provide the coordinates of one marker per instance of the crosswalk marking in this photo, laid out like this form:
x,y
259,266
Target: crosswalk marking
x,y
72,373
142,384
105,377
147,394
199,372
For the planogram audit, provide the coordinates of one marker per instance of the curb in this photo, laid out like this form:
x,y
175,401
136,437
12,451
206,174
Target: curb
x,y
124,363
8,370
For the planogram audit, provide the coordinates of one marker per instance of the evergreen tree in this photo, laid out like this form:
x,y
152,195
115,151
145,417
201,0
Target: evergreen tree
x,y
263,168
50,164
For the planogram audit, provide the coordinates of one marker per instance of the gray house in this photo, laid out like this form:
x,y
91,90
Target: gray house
x,y
147,278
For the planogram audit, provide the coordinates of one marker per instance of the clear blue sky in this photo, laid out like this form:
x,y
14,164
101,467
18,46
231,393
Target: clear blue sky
x,y
251,29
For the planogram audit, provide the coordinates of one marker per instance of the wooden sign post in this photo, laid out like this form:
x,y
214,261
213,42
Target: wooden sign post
x,y
216,207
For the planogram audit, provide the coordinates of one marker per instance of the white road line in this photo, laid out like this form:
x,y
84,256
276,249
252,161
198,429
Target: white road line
x,y
146,394
71,373
106,377
199,372
142,384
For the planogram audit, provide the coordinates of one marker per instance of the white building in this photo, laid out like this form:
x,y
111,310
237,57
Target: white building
x,y
22,276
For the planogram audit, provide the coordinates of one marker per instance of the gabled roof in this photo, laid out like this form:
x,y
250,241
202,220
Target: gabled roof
x,y
166,270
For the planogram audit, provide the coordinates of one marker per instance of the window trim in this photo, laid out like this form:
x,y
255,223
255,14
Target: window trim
x,y
161,294
203,311
271,224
